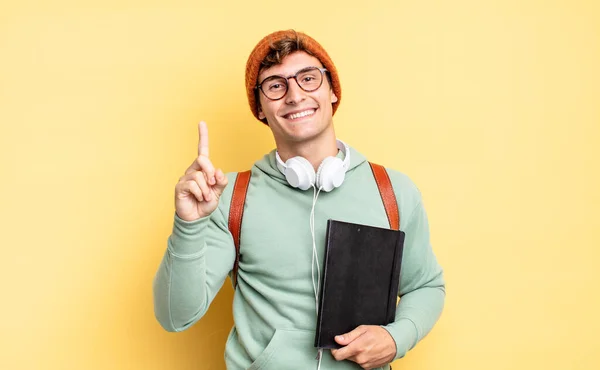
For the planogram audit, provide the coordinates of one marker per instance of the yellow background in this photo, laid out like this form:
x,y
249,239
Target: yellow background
x,y
492,107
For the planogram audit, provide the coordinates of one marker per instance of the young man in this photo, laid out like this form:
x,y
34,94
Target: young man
x,y
294,88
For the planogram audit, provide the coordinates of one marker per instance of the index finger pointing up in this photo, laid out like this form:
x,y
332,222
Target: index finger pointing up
x,y
202,139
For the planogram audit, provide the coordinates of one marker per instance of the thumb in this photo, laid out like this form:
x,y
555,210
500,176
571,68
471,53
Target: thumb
x,y
349,337
221,182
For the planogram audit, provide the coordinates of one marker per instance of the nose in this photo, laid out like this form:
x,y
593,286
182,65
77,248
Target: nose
x,y
295,94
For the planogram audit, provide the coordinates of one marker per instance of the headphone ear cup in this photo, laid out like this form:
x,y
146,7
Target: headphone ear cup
x,y
299,173
330,174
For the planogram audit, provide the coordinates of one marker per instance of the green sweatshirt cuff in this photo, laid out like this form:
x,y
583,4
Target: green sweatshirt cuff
x,y
187,239
404,332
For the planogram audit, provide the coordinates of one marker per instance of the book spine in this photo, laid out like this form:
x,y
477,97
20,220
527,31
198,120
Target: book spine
x,y
322,292
395,278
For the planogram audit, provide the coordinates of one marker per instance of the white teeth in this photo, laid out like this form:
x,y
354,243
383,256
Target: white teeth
x,y
301,114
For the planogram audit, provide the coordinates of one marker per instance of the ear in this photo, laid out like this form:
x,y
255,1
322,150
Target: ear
x,y
261,115
334,98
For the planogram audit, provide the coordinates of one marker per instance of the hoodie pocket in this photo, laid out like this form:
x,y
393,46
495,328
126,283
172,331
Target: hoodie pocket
x,y
288,349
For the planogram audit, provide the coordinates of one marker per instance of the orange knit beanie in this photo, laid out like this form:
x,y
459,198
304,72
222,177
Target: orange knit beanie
x,y
262,49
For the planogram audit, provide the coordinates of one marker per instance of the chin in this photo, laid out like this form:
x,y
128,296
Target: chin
x,y
300,131
304,135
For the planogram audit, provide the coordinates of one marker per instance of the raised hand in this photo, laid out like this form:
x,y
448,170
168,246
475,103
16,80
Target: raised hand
x,y
198,191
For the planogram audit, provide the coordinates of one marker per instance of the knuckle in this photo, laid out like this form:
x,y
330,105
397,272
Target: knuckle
x,y
199,177
361,360
181,190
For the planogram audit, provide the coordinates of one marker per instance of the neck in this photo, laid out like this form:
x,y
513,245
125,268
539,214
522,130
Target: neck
x,y
315,151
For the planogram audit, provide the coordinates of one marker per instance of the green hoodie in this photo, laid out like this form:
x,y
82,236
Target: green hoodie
x,y
274,302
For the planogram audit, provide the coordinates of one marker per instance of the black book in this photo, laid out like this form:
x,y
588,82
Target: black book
x,y
360,279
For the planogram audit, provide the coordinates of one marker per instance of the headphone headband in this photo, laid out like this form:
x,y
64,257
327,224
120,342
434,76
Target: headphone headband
x,y
299,172
340,145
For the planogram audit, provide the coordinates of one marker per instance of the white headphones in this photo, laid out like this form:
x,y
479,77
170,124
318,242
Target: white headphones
x,y
299,173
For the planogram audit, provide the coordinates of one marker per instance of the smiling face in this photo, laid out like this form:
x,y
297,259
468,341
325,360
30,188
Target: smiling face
x,y
299,116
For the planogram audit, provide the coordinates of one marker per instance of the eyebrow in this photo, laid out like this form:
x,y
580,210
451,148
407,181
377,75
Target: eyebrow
x,y
298,71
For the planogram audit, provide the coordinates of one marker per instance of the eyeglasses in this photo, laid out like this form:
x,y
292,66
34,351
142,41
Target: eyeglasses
x,y
309,79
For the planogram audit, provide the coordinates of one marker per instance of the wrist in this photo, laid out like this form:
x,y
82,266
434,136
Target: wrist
x,y
187,237
404,334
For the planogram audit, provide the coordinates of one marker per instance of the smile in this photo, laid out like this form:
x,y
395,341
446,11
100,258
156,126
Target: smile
x,y
306,113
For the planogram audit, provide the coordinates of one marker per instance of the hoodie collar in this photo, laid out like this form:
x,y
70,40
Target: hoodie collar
x,y
268,164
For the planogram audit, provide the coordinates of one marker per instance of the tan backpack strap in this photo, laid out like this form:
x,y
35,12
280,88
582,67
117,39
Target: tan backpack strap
x,y
387,195
236,210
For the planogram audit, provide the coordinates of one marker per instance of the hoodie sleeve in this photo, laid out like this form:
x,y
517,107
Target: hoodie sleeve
x,y
199,256
422,287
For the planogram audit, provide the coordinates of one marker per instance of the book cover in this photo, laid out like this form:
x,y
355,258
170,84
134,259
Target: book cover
x,y
360,279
